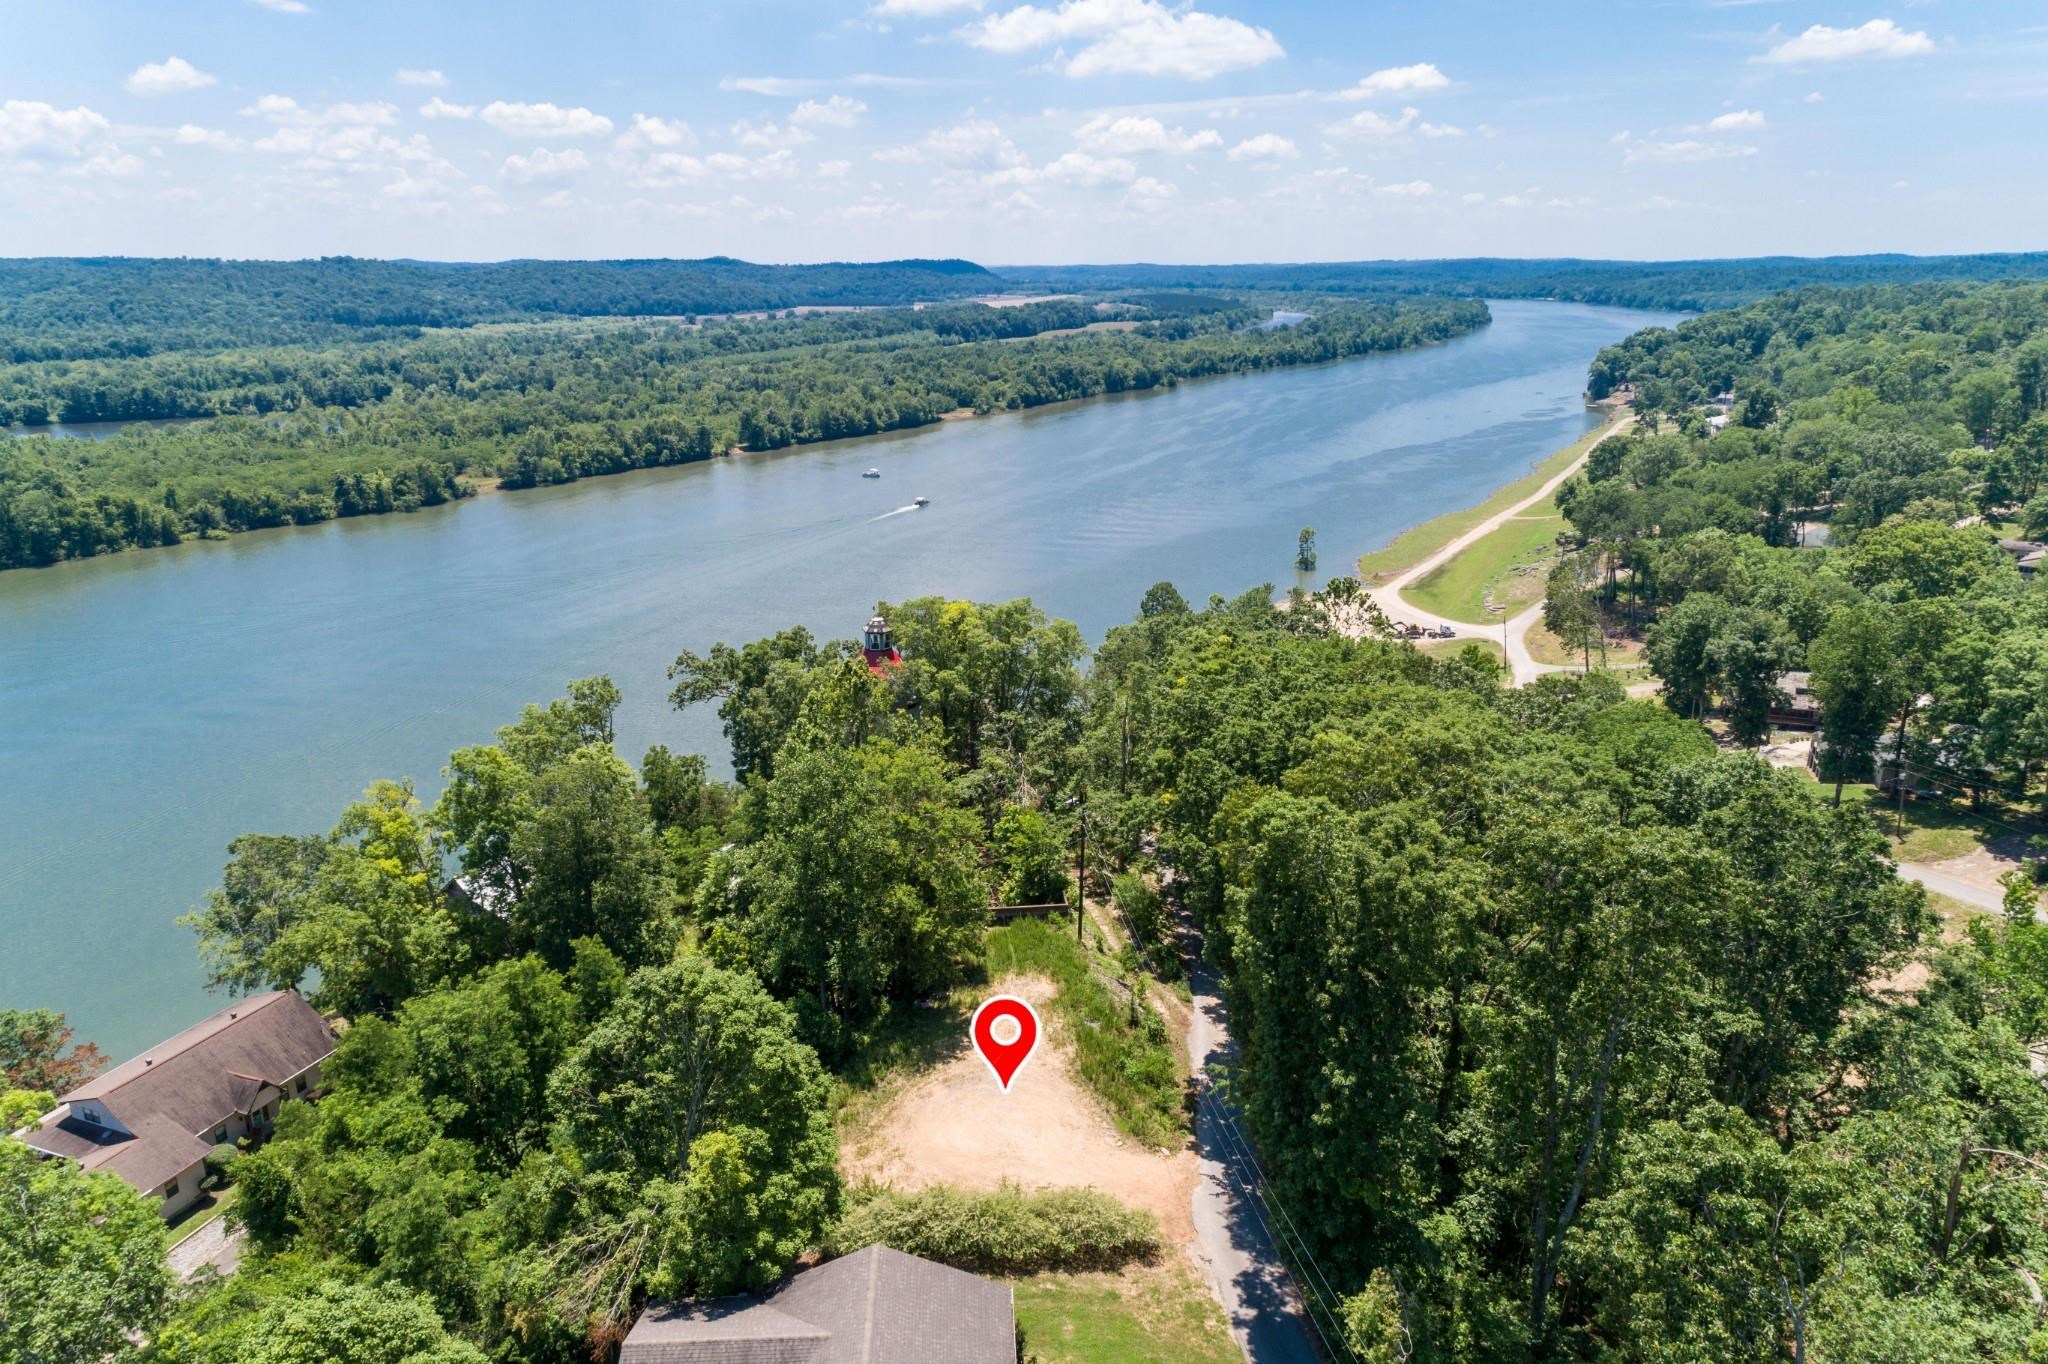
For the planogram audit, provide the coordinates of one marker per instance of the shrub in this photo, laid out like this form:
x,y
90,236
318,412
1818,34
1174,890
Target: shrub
x,y
220,1161
1007,1231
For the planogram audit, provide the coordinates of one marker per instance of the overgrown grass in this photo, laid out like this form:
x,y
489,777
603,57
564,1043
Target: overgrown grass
x,y
1004,1231
1486,570
1623,655
1156,1313
1131,1066
1417,543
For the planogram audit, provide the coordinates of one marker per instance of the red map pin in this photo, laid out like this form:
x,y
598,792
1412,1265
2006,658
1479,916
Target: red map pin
x,y
1005,1033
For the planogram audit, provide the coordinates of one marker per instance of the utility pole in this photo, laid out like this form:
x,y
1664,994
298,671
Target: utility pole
x,y
1081,871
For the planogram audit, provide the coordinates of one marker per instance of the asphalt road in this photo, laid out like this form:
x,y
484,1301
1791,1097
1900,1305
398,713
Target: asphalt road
x,y
1234,1240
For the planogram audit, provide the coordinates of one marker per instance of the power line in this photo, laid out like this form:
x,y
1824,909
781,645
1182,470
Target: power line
x,y
1298,1242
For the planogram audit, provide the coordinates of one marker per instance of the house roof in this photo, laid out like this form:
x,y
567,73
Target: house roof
x,y
173,1095
873,1306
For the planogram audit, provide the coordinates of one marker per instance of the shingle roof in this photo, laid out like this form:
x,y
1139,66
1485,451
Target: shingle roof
x,y
871,1307
173,1095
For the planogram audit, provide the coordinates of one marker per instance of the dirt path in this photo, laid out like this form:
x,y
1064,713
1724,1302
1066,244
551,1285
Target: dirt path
x,y
213,1244
953,1125
1522,665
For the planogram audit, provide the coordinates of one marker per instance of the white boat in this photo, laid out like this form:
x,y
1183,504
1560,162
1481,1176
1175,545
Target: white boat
x,y
872,473
920,501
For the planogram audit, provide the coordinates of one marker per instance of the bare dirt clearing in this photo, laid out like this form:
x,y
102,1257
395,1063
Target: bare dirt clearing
x,y
953,1125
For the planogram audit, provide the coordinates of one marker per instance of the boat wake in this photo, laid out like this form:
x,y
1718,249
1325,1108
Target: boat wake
x,y
906,507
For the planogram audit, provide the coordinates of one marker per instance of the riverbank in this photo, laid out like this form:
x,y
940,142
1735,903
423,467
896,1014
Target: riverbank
x,y
1418,543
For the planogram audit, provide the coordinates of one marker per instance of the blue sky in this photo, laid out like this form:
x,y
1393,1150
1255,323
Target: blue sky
x,y
1061,130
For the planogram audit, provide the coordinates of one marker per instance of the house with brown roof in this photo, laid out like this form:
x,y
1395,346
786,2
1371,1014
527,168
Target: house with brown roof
x,y
871,1307
152,1119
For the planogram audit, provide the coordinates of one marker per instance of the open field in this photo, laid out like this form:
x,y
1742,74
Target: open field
x,y
1486,572
1147,1313
1451,648
1417,543
1624,656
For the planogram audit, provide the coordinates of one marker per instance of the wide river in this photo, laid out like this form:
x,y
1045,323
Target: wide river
x,y
155,704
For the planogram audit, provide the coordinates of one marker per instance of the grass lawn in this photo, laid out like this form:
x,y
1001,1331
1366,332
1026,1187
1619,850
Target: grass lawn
x,y
1417,543
1450,648
208,1209
1156,1313
1624,657
1934,830
1485,571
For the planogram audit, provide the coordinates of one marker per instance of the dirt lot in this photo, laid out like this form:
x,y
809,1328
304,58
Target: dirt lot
x,y
954,1125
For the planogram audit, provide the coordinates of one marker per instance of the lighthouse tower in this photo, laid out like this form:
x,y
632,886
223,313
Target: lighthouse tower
x,y
878,645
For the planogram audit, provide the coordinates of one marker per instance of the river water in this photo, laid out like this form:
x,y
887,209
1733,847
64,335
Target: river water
x,y
155,704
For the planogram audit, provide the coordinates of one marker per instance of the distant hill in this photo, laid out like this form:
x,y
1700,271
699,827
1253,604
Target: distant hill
x,y
1695,285
77,308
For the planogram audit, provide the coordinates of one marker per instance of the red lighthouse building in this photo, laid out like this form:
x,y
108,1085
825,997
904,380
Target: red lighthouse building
x,y
878,646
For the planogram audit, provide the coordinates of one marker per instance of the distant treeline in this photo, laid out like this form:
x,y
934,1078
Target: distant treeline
x,y
1695,285
77,308
392,426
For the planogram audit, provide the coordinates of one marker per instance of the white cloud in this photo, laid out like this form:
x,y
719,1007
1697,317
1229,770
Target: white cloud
x,y
1369,123
834,170
778,165
1473,197
33,126
168,77
839,111
560,199
1685,150
192,135
427,79
1265,147
1739,121
1880,38
543,120
543,164
1398,80
1074,168
441,108
1147,195
284,6
287,112
1816,97
110,161
975,141
768,136
774,86
1408,189
1135,37
648,131
920,9
1129,133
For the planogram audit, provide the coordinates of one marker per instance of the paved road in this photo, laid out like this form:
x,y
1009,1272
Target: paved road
x,y
213,1244
1522,665
1233,1243
1969,892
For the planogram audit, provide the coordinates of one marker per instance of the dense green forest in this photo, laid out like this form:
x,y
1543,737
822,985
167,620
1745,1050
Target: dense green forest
x,y
84,308
1689,285
1566,1036
1913,424
319,432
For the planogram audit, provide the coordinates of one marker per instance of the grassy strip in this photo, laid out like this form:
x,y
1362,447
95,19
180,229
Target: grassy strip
x,y
200,1214
1417,543
1451,648
1157,1313
1131,1067
1485,570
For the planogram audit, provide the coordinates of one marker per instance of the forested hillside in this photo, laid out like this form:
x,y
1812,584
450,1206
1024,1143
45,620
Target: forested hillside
x,y
82,308
319,432
1691,285
1913,424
